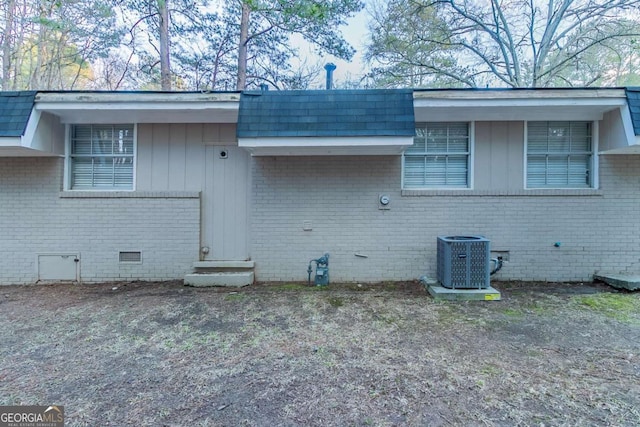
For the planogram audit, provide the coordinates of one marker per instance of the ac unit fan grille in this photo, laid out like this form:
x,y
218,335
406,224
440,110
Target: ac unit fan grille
x,y
463,262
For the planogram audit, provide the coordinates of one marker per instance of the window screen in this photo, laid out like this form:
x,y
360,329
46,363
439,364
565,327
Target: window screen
x,y
439,156
559,155
101,157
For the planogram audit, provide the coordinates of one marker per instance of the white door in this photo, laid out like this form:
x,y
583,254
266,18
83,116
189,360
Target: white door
x,y
225,228
63,267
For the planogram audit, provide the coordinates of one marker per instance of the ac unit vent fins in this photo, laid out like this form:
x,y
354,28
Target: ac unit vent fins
x,y
130,257
463,262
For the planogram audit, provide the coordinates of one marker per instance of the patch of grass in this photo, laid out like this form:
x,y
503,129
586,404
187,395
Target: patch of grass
x,y
490,370
235,297
623,307
512,312
452,312
296,287
335,302
387,319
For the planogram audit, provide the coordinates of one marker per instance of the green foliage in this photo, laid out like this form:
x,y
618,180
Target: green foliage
x,y
407,47
271,27
52,44
622,306
509,43
115,44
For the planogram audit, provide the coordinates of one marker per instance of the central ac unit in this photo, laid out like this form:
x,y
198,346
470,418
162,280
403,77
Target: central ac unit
x,y
464,262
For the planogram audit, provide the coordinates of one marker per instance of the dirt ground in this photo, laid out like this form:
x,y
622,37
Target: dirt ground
x,y
161,354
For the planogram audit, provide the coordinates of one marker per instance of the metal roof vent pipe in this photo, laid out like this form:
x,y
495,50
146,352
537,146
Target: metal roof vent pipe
x,y
330,67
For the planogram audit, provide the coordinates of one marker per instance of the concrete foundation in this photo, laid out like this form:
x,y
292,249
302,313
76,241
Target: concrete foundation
x,y
231,279
440,293
630,282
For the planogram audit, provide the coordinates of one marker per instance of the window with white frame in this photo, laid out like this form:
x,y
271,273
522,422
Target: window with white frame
x,y
101,157
559,154
439,156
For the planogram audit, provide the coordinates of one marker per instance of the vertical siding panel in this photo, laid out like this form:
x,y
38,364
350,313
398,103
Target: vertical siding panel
x,y
227,134
230,202
499,156
515,159
144,153
219,204
160,157
208,203
211,134
612,133
177,156
195,158
236,211
482,155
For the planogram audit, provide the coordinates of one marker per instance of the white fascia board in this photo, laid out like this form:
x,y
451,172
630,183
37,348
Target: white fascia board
x,y
150,106
627,124
514,109
30,130
129,97
26,140
520,93
318,146
520,102
631,149
11,141
142,112
17,151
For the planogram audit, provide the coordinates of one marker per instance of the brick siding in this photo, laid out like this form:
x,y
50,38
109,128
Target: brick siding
x,y
599,230
36,218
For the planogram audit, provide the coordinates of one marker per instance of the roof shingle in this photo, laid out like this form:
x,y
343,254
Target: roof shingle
x,y
309,113
15,109
633,101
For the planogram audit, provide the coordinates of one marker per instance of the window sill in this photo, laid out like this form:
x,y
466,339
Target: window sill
x,y
537,192
129,194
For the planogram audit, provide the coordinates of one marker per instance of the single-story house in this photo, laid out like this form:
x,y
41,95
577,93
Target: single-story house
x,y
110,186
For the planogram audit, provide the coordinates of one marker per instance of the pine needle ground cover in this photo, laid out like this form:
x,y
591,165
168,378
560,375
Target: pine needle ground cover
x,y
342,355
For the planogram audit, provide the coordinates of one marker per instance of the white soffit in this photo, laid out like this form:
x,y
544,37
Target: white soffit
x,y
25,145
632,148
323,146
100,108
516,105
18,151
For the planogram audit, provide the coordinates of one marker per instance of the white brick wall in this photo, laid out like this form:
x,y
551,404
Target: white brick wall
x,y
339,195
599,231
36,218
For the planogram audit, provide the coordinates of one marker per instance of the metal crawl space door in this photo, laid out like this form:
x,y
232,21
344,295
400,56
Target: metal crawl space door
x,y
225,228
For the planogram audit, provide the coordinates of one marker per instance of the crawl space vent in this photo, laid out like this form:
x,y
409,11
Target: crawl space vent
x,y
130,257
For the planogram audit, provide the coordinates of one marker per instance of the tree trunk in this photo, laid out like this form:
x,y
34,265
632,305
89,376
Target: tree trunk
x,y
7,45
242,47
165,63
37,76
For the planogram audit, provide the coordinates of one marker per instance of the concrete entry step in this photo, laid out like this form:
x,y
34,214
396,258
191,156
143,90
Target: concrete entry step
x,y
235,279
212,265
441,293
630,282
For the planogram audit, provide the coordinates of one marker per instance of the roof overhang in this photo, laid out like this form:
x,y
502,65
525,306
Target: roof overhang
x,y
322,146
512,105
18,151
631,149
140,107
27,145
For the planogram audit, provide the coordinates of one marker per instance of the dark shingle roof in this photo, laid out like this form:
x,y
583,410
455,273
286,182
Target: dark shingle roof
x,y
378,112
633,100
15,109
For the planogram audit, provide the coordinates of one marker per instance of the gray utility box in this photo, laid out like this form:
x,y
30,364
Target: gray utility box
x,y
463,262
